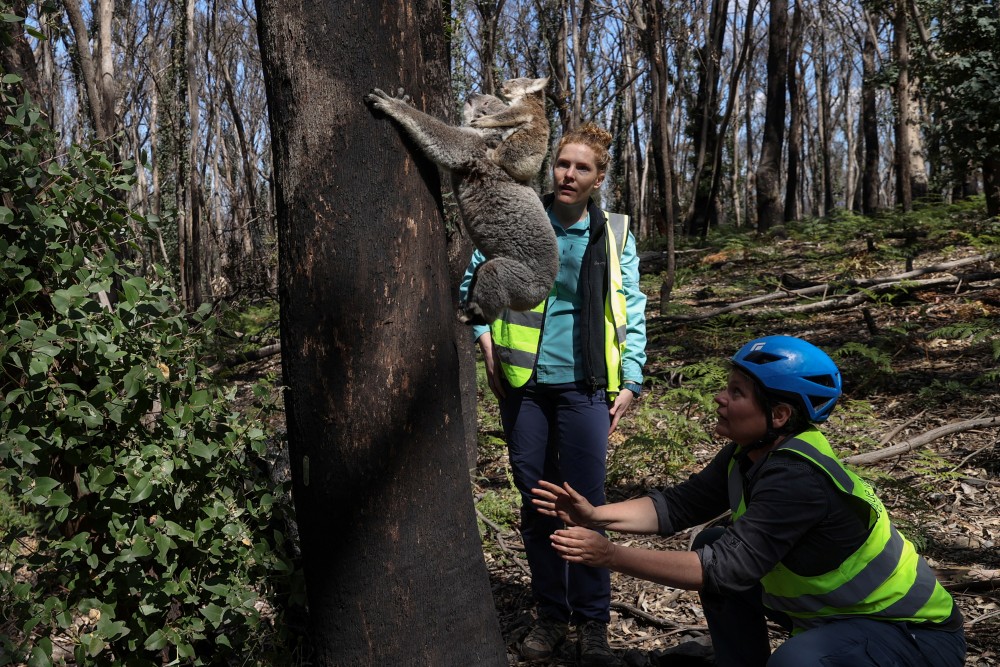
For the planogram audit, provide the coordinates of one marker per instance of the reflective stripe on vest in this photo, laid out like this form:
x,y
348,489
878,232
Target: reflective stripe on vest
x,y
517,335
884,578
615,305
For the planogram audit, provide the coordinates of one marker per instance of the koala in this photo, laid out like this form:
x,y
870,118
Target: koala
x,y
525,139
505,219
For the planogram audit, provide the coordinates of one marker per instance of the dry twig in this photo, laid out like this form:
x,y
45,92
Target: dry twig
x,y
920,441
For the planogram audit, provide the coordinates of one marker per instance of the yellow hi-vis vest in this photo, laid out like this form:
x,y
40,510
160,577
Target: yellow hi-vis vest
x,y
517,334
885,578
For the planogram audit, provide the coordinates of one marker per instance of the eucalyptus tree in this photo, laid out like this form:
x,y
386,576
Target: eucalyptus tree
x,y
393,565
769,201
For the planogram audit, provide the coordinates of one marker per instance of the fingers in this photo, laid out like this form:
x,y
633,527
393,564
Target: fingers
x,y
577,545
620,406
614,422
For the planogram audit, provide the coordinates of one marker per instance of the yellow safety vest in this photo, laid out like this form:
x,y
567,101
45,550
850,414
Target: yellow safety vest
x,y
885,578
517,334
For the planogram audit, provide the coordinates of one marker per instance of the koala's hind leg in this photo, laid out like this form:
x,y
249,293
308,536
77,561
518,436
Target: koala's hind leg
x,y
501,283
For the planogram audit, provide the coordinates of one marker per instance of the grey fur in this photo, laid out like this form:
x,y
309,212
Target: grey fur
x,y
505,220
526,137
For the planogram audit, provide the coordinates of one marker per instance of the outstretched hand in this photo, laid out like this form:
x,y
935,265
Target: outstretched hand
x,y
562,502
582,545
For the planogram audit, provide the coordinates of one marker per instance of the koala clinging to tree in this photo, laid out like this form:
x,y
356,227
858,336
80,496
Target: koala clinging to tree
x,y
526,128
505,219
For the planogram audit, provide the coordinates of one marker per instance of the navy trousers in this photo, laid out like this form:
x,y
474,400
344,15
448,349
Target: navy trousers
x,y
559,433
738,626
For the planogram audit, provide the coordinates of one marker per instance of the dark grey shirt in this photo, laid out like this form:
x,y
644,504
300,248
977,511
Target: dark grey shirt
x,y
794,515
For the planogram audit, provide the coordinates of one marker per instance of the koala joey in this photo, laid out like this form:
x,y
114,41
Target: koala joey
x,y
505,219
525,139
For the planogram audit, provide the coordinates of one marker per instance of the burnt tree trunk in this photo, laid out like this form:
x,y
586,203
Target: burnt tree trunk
x,y
796,114
393,566
869,123
769,202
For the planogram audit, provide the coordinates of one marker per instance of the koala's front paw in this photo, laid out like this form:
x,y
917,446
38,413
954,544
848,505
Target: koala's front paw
x,y
381,100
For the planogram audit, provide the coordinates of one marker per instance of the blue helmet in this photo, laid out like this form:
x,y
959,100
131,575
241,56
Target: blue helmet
x,y
794,368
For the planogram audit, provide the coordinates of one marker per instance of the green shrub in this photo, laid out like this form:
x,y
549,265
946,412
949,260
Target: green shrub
x,y
152,531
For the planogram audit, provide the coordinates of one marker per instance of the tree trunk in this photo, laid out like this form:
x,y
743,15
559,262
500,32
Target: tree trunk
x,y
991,184
581,50
393,564
651,25
769,208
192,191
89,71
553,27
795,48
489,17
824,122
869,124
703,211
901,52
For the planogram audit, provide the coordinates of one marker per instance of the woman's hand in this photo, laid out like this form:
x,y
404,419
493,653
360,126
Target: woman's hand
x,y
562,502
492,364
622,401
582,545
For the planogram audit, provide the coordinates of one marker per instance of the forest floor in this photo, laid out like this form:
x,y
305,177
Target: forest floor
x,y
903,378
914,359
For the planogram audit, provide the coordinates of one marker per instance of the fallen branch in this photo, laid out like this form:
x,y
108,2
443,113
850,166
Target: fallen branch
x,y
968,580
498,531
252,355
920,440
827,289
654,620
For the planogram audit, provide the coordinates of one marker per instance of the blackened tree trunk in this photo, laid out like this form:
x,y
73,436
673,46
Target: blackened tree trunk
x,y
769,204
392,558
489,18
991,183
703,211
796,114
869,124
650,22
904,148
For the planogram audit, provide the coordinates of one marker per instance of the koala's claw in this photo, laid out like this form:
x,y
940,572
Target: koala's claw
x,y
380,99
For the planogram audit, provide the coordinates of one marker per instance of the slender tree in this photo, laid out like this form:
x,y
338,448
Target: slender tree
x,y
769,204
869,122
795,112
393,565
650,20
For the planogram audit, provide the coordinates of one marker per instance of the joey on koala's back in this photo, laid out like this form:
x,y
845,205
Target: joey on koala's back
x,y
525,140
505,219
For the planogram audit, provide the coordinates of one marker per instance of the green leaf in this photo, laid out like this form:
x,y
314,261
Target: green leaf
x,y
39,658
95,644
142,490
59,499
155,641
214,613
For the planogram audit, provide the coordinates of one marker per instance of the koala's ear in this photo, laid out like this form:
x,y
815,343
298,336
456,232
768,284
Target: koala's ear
x,y
538,84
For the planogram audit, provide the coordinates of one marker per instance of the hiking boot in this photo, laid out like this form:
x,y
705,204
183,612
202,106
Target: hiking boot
x,y
592,646
543,638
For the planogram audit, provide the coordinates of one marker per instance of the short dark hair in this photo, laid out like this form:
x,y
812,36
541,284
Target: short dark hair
x,y
766,400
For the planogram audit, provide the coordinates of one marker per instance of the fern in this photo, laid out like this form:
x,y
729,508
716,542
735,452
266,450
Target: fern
x,y
879,360
975,331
